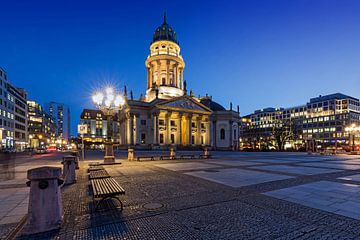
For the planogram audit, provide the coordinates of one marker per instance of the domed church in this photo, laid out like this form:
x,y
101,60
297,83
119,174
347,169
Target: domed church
x,y
170,116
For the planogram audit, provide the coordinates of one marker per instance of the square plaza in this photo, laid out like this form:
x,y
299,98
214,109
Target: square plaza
x,y
238,195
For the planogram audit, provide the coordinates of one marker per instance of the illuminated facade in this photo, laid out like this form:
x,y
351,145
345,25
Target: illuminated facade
x,y
13,115
167,114
320,123
97,125
42,128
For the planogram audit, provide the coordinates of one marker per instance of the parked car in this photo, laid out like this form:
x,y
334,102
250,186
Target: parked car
x,y
51,149
40,150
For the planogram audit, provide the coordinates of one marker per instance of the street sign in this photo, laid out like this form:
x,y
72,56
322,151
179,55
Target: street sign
x,y
82,129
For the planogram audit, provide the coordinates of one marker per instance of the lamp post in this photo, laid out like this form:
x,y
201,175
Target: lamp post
x,y
109,103
352,129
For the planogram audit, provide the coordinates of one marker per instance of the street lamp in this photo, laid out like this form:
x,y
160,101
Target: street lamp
x,y
352,129
109,102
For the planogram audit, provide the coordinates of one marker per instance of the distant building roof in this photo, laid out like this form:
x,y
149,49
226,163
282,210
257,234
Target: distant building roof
x,y
331,96
214,106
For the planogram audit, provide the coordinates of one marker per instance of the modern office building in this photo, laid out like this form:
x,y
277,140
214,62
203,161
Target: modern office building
x,y
61,115
320,123
13,114
42,128
20,117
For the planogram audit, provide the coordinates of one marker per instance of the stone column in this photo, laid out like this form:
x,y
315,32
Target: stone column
x,y
167,73
214,134
131,129
180,129
208,133
137,129
189,129
156,128
167,129
148,77
45,207
176,75
198,130
231,135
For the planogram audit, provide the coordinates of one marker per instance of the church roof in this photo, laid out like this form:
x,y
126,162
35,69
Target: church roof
x,y
165,32
214,106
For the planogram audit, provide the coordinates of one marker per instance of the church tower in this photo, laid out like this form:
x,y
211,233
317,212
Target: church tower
x,y
164,65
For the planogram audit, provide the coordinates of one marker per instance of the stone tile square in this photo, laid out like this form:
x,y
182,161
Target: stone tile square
x,y
181,166
324,195
234,162
296,169
355,178
237,177
274,161
343,166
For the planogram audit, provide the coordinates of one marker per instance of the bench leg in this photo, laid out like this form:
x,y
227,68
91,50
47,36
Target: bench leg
x,y
104,198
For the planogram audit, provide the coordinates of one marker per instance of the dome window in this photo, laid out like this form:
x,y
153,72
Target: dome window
x,y
163,46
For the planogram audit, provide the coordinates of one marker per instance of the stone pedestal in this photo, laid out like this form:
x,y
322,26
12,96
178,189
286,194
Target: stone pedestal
x,y
172,153
109,157
45,209
206,153
69,166
131,154
77,158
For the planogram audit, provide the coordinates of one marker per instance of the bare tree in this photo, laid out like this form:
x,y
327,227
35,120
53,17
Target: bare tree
x,y
283,130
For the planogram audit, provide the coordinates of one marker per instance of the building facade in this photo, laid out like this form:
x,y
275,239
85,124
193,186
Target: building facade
x,y
60,113
42,128
97,126
318,124
13,115
168,114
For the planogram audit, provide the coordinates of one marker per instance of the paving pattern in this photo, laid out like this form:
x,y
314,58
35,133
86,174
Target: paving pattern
x,y
232,196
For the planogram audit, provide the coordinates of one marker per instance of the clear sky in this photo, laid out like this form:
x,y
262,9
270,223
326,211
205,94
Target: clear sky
x,y
255,53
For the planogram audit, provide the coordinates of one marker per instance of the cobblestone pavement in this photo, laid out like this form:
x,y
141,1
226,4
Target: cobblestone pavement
x,y
196,199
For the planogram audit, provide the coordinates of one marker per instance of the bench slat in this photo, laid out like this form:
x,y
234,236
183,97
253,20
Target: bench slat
x,y
106,186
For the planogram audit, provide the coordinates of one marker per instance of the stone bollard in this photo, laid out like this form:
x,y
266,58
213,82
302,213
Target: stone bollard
x,y
131,154
77,158
69,169
206,153
172,153
45,209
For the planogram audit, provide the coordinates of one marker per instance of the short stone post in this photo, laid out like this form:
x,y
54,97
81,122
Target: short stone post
x,y
172,153
77,158
131,154
69,169
45,209
206,153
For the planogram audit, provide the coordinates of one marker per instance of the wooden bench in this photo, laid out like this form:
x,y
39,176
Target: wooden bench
x,y
166,158
190,156
95,168
98,174
94,164
105,188
146,158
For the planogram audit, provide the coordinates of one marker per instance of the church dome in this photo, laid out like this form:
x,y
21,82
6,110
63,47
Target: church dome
x,y
214,106
165,32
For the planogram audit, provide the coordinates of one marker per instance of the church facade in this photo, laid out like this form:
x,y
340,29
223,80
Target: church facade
x,y
170,116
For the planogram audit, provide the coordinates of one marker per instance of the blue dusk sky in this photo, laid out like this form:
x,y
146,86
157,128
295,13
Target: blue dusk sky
x,y
255,53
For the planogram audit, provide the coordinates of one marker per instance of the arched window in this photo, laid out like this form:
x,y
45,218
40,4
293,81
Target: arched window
x,y
222,134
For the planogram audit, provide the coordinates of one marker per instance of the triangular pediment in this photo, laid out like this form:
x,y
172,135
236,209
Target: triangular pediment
x,y
184,103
